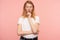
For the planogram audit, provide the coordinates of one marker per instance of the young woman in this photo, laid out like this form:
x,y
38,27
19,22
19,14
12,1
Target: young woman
x,y
28,23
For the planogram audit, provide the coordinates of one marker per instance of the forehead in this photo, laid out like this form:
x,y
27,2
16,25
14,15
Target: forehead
x,y
28,4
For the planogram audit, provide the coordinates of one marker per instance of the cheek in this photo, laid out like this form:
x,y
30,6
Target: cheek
x,y
26,8
31,9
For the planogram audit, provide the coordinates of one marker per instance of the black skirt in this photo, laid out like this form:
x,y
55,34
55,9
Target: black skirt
x,y
23,38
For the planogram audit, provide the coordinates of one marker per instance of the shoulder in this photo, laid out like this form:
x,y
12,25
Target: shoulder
x,y
36,16
21,17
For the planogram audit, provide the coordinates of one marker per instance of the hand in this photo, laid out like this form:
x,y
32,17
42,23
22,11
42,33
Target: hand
x,y
29,15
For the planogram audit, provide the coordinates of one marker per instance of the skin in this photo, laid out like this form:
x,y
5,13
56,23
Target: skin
x,y
34,27
28,7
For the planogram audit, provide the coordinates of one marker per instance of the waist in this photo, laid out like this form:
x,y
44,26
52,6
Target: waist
x,y
30,36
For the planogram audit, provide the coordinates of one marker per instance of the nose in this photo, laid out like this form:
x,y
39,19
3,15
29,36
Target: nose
x,y
28,8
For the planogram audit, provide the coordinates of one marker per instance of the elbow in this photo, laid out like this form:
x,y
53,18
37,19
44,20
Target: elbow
x,y
35,32
19,33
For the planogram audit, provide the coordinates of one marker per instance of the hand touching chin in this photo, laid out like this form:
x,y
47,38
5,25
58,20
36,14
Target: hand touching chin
x,y
29,14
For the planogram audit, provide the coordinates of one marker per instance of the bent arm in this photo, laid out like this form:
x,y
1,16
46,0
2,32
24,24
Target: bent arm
x,y
34,26
20,32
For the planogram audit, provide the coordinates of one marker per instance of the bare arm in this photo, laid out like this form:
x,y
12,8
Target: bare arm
x,y
20,32
35,26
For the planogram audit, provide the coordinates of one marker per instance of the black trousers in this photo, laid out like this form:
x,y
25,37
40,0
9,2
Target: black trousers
x,y
23,38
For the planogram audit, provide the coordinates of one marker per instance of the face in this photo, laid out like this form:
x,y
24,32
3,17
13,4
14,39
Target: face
x,y
29,7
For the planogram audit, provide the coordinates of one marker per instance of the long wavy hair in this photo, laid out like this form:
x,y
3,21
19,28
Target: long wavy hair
x,y
24,10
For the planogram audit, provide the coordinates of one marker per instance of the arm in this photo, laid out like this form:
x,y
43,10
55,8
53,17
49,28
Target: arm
x,y
35,26
20,32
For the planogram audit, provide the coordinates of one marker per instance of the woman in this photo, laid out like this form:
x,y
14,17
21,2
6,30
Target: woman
x,y
28,23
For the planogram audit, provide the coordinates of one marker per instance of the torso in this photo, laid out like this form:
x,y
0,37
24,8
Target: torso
x,y
26,26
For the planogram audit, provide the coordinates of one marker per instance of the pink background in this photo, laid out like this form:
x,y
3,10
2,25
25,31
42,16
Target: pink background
x,y
47,10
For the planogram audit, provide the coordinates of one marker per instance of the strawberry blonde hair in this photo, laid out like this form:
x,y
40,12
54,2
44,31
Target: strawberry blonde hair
x,y
24,10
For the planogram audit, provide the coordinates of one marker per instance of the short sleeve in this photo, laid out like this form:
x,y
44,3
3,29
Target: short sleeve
x,y
19,20
37,19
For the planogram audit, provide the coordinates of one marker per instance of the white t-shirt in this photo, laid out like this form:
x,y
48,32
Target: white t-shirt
x,y
26,25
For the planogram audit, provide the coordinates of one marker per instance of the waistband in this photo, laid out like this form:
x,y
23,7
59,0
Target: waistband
x,y
28,38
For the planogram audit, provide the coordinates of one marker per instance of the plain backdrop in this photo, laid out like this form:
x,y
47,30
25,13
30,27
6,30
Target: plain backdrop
x,y
47,10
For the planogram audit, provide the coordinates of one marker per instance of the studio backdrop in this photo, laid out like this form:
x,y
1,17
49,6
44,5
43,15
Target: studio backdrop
x,y
47,10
